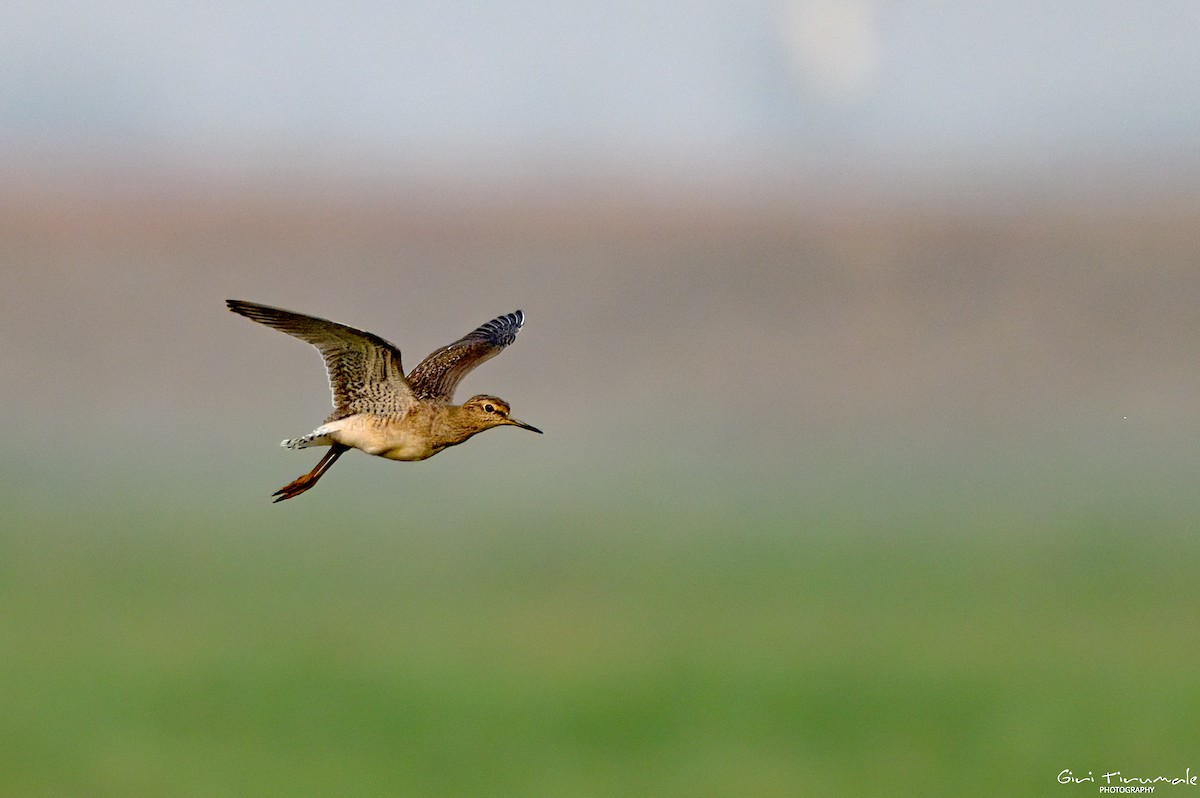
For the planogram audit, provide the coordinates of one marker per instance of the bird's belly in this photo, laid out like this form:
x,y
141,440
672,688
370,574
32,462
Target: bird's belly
x,y
395,440
407,450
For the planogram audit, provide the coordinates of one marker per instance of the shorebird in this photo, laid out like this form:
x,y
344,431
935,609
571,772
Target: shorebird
x,y
378,410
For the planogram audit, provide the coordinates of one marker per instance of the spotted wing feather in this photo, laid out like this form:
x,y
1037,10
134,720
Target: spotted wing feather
x,y
436,377
365,371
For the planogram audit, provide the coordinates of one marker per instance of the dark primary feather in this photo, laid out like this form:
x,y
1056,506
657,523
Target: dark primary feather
x,y
436,377
365,371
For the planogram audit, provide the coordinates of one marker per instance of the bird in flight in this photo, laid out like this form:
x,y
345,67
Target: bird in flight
x,y
376,408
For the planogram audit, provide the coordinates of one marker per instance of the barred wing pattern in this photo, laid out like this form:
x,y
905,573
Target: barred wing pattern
x,y
436,377
365,372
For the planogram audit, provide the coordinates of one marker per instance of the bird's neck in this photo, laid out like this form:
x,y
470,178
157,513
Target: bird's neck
x,y
452,425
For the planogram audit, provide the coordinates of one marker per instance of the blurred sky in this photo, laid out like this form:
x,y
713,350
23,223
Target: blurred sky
x,y
161,157
702,85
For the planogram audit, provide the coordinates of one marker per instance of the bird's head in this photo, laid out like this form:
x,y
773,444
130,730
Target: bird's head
x,y
492,411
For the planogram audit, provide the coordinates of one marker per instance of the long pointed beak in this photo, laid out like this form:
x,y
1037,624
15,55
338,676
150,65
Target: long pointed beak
x,y
523,425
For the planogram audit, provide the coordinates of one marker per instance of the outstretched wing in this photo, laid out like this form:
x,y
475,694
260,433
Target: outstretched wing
x,y
365,373
436,377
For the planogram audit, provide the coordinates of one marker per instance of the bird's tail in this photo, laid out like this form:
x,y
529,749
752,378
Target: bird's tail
x,y
314,438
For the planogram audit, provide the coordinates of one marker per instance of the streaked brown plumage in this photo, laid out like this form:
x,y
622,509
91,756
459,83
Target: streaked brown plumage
x,y
375,407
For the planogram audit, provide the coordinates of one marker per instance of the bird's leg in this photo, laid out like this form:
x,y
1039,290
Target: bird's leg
x,y
303,483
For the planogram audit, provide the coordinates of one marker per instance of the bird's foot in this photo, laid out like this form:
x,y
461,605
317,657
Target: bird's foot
x,y
294,488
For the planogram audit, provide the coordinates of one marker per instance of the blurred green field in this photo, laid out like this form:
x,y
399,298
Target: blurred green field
x,y
727,640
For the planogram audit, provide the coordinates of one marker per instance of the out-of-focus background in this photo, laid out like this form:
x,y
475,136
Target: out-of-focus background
x,y
863,333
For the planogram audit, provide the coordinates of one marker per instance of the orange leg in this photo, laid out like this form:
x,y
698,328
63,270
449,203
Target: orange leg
x,y
301,484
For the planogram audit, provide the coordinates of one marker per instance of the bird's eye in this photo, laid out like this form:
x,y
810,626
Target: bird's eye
x,y
489,409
